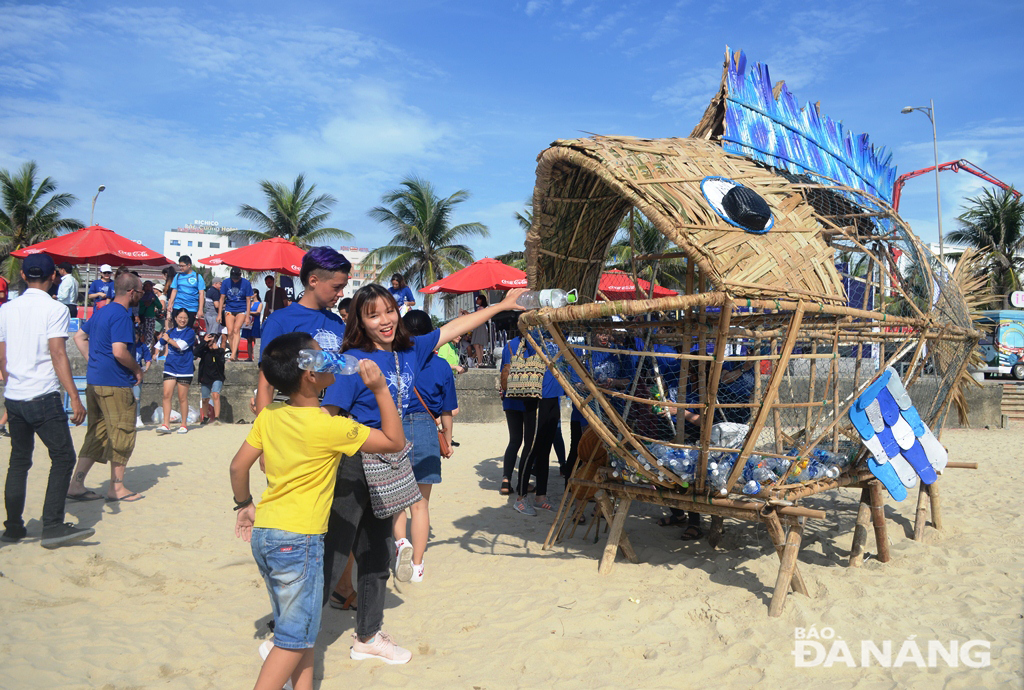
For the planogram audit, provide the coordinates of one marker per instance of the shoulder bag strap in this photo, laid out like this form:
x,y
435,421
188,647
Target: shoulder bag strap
x,y
416,391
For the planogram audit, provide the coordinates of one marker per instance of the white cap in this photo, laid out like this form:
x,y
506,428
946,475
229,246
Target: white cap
x,y
105,268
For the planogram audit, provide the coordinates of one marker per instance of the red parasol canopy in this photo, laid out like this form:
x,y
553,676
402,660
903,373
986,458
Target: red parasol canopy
x,y
619,285
485,274
276,254
95,245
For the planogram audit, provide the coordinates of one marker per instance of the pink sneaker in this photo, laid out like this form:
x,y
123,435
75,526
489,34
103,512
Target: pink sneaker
x,y
381,647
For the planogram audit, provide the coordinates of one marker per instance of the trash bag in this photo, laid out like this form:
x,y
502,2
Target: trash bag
x,y
192,418
744,206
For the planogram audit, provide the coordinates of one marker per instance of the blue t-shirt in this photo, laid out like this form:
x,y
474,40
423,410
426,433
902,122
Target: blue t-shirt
x,y
350,393
436,383
235,295
325,326
180,362
188,286
402,295
142,354
109,325
602,366
106,286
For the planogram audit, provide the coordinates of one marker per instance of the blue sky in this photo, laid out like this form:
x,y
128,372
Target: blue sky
x,y
181,108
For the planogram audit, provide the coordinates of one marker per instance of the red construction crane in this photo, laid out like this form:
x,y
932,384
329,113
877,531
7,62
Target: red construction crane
x,y
955,166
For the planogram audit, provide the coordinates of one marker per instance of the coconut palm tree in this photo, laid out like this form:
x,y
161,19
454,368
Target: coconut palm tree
x,y
517,257
424,245
296,214
27,217
994,224
647,239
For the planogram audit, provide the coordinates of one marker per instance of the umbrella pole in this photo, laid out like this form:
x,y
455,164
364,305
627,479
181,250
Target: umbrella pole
x,y
85,306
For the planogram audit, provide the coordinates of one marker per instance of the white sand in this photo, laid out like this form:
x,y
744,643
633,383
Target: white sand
x,y
165,596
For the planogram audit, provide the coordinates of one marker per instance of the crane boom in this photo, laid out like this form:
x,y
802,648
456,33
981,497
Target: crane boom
x,y
955,166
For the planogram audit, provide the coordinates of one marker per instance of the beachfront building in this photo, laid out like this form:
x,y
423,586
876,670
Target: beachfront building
x,y
200,239
362,273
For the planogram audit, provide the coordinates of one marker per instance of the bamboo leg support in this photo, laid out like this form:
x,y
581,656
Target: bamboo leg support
x,y
921,517
778,537
611,548
933,492
786,570
860,531
715,531
878,519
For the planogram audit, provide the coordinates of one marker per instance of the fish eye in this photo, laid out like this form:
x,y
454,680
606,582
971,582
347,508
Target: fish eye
x,y
737,205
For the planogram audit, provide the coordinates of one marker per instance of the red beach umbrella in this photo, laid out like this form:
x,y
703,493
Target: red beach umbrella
x,y
485,274
95,245
276,254
617,284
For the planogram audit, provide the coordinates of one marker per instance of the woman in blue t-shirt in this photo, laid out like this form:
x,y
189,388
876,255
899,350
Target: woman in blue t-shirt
x,y
402,293
237,295
178,369
375,331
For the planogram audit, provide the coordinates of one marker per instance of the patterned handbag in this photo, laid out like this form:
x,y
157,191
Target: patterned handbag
x,y
389,476
391,481
525,374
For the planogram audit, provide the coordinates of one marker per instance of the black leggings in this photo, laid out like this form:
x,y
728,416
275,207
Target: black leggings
x,y
517,430
575,434
539,458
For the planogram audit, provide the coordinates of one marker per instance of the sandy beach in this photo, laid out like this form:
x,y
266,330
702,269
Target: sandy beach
x,y
165,596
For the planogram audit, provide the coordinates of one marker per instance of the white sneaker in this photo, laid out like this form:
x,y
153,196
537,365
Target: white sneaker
x,y
163,429
265,652
381,647
403,556
417,573
138,423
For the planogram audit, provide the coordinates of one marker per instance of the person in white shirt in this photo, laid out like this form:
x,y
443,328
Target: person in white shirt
x,y
34,363
67,292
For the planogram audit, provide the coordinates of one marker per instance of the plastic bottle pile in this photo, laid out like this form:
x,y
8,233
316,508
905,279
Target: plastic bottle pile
x,y
758,472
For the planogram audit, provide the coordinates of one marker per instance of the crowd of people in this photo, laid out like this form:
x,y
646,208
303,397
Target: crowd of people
x,y
313,437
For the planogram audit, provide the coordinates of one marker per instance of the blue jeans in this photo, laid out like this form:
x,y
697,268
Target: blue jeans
x,y
45,416
292,566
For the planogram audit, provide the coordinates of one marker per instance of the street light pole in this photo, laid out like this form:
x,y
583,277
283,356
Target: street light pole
x,y
93,211
930,112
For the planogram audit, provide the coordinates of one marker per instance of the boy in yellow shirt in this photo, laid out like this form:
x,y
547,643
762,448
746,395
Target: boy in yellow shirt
x,y
301,445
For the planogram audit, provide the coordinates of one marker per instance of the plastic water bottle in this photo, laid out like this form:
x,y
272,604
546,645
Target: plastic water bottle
x,y
535,299
751,488
320,361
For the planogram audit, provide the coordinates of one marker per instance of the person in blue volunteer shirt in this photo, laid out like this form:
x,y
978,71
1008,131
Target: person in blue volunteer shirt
x,y
402,293
178,370
144,358
188,293
515,419
435,384
101,290
107,341
375,331
324,275
237,295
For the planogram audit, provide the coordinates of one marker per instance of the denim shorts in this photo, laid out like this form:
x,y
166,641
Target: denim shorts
x,y
292,566
426,450
215,387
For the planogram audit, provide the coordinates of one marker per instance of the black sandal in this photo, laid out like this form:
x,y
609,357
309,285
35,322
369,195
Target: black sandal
x,y
671,520
692,533
506,487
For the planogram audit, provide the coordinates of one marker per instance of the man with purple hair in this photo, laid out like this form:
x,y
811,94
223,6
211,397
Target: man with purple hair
x,y
324,275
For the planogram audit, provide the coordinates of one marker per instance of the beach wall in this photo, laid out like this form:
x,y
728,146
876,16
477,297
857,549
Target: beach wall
x,y
479,402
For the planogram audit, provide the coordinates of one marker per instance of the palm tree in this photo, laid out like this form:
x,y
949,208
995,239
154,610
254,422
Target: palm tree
x,y
994,224
27,217
294,214
517,258
424,246
647,239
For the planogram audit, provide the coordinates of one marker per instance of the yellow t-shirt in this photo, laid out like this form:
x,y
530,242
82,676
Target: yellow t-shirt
x,y
301,449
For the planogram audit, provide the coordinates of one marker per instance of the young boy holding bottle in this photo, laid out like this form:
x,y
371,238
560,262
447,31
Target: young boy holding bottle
x,y
302,446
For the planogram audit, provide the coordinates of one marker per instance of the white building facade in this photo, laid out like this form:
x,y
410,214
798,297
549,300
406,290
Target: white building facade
x,y
201,239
